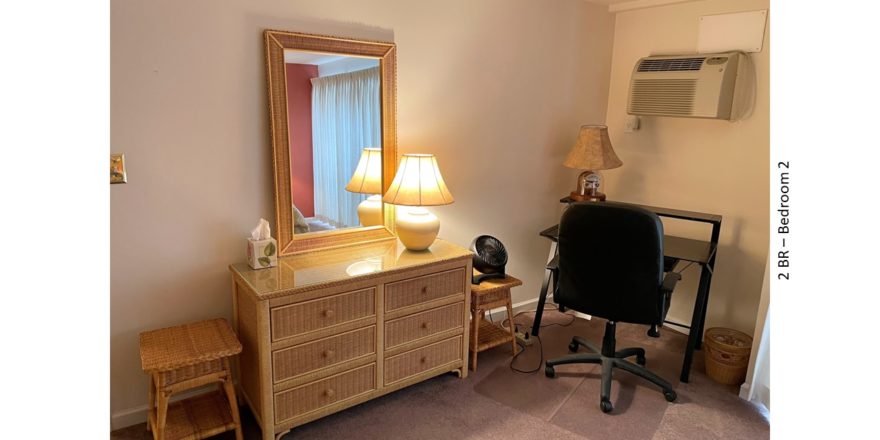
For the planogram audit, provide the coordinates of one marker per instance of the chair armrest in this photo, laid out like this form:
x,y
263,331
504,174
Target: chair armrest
x,y
553,264
669,282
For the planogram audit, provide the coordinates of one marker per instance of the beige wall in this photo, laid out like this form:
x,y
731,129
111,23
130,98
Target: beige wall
x,y
495,88
695,164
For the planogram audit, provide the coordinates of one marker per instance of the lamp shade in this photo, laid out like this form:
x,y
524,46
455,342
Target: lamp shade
x,y
367,178
418,183
593,150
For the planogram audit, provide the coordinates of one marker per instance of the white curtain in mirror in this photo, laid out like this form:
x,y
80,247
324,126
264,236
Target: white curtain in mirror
x,y
345,119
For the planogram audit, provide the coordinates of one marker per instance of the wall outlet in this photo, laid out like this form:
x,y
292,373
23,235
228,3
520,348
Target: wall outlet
x,y
632,124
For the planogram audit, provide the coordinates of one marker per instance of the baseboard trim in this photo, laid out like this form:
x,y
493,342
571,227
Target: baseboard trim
x,y
138,414
128,417
500,313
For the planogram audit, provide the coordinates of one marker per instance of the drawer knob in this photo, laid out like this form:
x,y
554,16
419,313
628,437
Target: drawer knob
x,y
328,313
425,325
330,392
425,289
328,353
423,359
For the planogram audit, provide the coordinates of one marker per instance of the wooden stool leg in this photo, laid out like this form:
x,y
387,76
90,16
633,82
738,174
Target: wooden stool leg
x,y
510,323
161,413
151,406
477,319
233,403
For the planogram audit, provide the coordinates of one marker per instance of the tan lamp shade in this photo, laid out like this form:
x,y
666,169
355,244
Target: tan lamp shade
x,y
367,178
593,150
418,183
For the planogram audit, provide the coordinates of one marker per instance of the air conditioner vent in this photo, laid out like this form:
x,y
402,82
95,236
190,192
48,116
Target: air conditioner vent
x,y
670,65
690,86
663,96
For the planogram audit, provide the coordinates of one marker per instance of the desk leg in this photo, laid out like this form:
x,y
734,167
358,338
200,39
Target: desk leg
x,y
702,325
696,332
706,274
542,296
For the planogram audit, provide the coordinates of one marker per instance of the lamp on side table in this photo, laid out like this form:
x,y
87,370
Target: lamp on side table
x,y
592,151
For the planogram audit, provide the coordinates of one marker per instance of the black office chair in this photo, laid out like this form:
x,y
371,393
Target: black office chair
x,y
611,266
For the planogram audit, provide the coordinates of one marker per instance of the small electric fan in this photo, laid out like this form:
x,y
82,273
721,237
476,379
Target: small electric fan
x,y
490,257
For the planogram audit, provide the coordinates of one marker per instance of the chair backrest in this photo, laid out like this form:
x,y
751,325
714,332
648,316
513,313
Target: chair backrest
x,y
611,262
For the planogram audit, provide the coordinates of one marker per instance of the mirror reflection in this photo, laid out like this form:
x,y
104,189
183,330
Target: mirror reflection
x,y
335,126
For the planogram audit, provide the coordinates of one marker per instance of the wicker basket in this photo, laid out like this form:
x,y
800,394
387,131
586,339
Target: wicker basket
x,y
727,355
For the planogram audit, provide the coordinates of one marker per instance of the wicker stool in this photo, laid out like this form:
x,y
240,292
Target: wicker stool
x,y
485,296
185,357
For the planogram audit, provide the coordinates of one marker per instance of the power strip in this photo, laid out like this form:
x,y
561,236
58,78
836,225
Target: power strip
x,y
524,338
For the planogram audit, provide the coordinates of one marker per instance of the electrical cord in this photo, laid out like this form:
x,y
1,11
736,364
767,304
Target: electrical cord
x,y
684,268
540,343
523,350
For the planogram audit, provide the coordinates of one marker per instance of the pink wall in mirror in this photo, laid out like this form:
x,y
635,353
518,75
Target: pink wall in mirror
x,y
299,114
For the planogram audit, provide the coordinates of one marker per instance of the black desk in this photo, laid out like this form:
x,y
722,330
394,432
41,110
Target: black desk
x,y
675,249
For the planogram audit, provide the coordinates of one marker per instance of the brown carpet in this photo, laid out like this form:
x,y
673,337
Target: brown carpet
x,y
497,403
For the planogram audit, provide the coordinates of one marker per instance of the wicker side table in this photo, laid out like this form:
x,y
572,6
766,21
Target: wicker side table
x,y
185,357
485,335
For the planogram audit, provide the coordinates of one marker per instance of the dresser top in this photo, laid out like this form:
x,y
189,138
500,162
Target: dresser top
x,y
347,263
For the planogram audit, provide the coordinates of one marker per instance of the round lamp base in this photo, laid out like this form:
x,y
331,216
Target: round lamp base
x,y
370,211
597,197
417,228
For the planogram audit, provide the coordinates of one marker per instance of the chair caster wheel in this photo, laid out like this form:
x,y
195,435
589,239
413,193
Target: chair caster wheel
x,y
670,395
605,406
641,360
573,347
549,372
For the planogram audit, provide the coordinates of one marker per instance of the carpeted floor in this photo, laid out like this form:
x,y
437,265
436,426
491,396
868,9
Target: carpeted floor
x,y
497,403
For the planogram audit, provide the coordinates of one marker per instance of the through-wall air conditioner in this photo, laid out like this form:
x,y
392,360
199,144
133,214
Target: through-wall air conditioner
x,y
690,86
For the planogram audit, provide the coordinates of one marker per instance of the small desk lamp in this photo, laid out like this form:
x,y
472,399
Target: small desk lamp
x,y
418,183
592,152
367,179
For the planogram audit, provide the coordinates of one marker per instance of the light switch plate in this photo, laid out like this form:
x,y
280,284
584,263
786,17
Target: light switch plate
x,y
117,168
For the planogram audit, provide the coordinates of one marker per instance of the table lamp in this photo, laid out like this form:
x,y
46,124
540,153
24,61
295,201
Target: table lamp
x,y
417,183
591,152
367,179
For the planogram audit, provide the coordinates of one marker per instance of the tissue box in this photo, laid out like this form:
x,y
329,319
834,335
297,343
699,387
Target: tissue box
x,y
262,253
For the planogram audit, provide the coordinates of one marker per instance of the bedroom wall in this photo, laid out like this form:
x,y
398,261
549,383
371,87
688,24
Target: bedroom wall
x,y
299,119
188,103
696,164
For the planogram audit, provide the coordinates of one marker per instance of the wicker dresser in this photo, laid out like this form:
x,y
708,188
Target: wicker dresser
x,y
327,330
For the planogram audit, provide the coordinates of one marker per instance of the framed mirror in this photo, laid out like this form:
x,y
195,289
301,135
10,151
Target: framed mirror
x,y
332,119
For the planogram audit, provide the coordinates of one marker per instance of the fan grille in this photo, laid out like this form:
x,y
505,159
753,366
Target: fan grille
x,y
671,65
489,253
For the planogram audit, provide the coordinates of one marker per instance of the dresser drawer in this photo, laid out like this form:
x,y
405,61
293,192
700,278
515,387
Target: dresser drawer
x,y
409,328
422,359
314,315
305,358
319,394
425,288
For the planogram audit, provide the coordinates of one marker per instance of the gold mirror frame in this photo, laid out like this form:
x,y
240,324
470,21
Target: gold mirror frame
x,y
276,42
